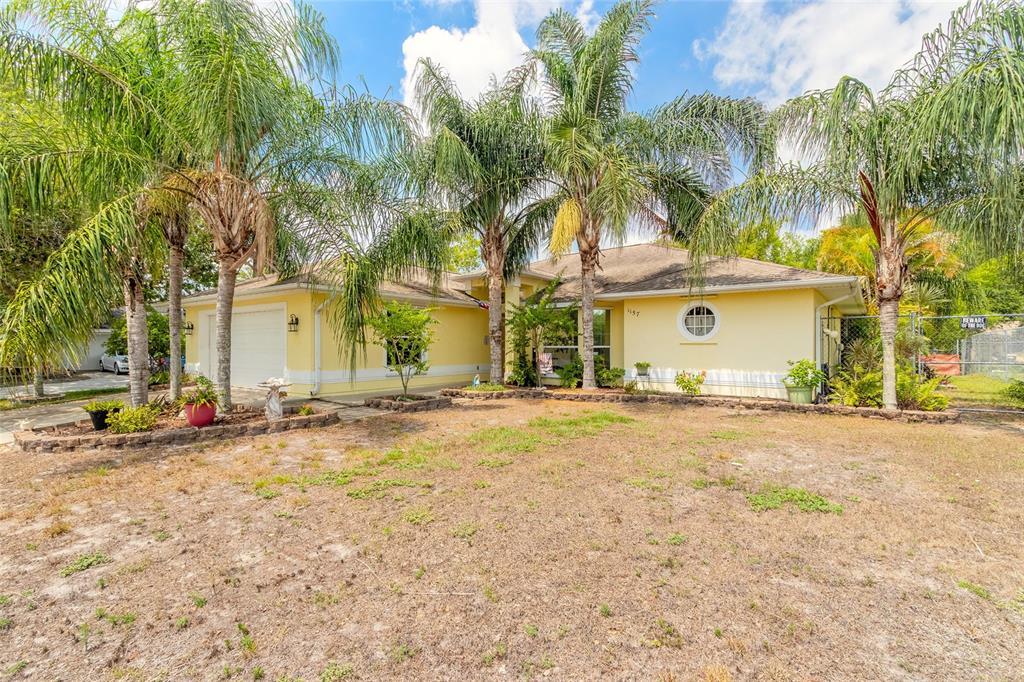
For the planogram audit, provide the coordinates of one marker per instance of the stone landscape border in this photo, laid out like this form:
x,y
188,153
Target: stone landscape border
x,y
391,402
945,417
43,439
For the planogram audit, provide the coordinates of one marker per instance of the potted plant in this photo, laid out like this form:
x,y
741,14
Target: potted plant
x,y
201,405
801,380
643,369
99,410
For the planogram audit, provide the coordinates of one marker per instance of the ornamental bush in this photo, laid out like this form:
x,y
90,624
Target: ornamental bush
x,y
132,420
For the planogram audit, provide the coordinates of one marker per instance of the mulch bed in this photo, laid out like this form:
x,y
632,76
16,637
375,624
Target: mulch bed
x,y
165,422
169,430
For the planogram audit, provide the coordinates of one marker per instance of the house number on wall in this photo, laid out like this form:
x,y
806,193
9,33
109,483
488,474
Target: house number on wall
x,y
634,313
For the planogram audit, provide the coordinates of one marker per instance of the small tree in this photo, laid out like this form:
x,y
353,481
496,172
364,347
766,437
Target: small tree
x,y
540,320
404,332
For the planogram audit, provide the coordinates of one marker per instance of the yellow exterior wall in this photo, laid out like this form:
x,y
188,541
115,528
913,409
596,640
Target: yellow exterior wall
x,y
299,343
758,333
458,353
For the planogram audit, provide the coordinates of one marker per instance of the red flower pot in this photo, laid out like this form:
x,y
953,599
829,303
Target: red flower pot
x,y
200,415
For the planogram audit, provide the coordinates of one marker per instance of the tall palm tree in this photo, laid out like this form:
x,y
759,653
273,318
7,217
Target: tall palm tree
x,y
221,117
486,159
942,144
612,168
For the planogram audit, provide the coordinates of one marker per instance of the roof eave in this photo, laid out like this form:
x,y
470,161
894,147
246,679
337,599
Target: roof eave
x,y
830,282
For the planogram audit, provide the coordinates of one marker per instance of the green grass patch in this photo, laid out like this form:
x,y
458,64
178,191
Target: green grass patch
x,y
505,440
585,424
976,590
977,390
84,563
773,497
727,434
379,488
494,462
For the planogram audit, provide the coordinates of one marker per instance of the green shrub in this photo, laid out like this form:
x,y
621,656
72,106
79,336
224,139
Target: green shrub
x,y
101,405
857,388
611,377
1015,391
160,378
914,394
305,411
202,394
571,374
486,387
690,383
803,374
631,387
132,419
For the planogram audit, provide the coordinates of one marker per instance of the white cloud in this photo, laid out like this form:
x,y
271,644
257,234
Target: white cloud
x,y
489,49
784,53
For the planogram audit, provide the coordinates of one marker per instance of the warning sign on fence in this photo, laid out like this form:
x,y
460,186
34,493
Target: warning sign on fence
x,y
972,322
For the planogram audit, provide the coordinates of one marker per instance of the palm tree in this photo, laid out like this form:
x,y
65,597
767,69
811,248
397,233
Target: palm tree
x,y
940,144
611,167
220,117
486,158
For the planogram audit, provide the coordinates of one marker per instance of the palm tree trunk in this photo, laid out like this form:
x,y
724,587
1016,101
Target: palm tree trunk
x,y
38,387
587,308
174,276
495,312
888,318
890,276
138,341
226,277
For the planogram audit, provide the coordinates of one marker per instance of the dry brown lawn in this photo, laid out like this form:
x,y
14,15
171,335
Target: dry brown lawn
x,y
503,540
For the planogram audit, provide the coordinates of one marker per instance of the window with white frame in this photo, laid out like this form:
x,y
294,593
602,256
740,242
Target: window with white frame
x,y
698,321
565,354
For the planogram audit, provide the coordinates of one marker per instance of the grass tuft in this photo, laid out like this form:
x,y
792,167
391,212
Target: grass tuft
x,y
773,497
84,563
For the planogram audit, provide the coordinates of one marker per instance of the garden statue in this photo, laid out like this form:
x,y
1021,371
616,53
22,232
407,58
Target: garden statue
x,y
274,387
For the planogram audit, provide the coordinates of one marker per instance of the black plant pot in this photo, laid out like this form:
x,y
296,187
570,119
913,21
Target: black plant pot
x,y
99,418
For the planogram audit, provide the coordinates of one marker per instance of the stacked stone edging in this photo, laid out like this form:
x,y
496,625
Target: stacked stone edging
x,y
947,416
391,403
42,440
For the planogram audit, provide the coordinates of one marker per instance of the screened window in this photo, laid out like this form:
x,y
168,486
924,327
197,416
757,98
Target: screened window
x,y
698,322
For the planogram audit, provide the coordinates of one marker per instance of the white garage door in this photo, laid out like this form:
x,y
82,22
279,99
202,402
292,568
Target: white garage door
x,y
257,346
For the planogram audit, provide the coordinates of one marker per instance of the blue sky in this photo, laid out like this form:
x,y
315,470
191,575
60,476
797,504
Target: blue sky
x,y
771,50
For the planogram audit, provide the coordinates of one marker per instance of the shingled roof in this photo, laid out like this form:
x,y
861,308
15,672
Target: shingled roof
x,y
416,287
648,268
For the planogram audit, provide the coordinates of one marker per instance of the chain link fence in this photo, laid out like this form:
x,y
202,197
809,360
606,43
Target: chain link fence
x,y
949,345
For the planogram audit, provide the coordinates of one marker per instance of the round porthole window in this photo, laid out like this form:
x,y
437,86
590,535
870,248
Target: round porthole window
x,y
698,321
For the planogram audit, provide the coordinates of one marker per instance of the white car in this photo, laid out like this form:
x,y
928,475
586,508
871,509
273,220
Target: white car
x,y
118,364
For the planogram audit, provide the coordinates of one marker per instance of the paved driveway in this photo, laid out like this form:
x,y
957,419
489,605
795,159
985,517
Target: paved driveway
x,y
80,382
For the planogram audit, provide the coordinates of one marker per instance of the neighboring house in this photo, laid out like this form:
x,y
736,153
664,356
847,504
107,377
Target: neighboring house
x,y
741,326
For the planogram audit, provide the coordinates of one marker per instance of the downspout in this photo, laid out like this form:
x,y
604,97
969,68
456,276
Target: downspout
x,y
315,391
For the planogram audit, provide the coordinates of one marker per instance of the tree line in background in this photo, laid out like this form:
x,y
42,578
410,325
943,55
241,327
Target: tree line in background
x,y
126,138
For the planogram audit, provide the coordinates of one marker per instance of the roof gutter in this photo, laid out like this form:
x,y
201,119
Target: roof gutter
x,y
729,288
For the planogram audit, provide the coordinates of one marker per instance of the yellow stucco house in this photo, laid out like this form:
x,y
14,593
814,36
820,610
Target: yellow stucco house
x,y
741,327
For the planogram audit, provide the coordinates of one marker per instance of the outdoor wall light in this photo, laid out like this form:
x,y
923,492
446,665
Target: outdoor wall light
x,y
188,328
293,323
